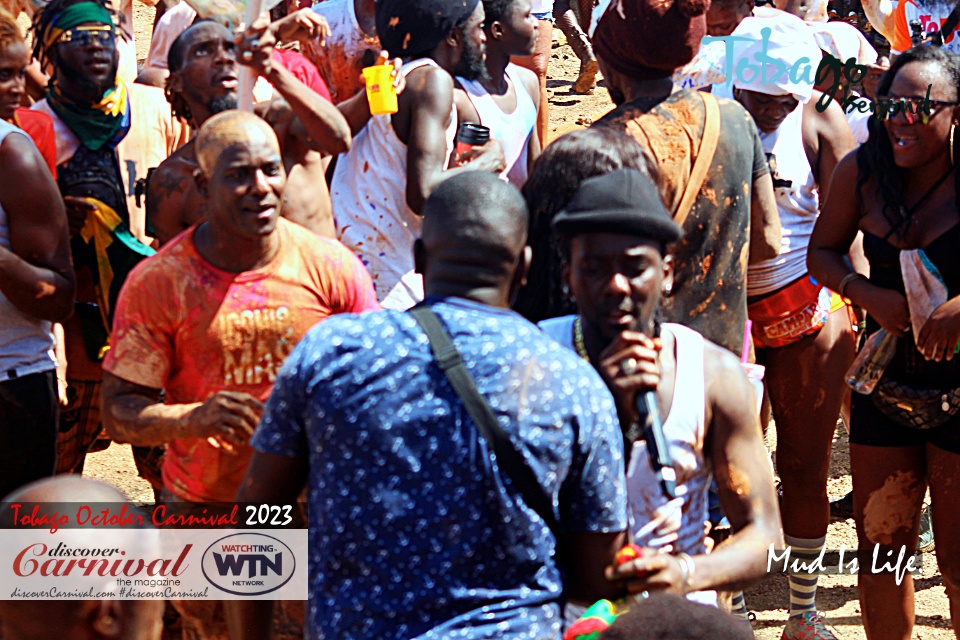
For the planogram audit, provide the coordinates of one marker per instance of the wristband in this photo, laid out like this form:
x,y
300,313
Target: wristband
x,y
847,279
687,568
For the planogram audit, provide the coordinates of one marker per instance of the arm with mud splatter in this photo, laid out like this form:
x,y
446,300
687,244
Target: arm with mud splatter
x,y
134,413
735,448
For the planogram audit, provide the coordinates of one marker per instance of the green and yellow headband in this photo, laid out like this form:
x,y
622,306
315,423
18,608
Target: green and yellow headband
x,y
76,14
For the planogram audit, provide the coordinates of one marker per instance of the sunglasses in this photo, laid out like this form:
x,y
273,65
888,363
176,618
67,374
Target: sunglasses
x,y
913,109
83,36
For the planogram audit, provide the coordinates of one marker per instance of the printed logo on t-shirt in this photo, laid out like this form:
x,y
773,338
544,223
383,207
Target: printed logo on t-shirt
x,y
255,343
778,182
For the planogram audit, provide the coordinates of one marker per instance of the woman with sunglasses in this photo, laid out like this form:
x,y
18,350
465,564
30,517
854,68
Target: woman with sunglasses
x,y
802,331
905,197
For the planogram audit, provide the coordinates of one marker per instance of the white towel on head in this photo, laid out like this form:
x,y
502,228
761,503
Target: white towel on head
x,y
843,41
792,54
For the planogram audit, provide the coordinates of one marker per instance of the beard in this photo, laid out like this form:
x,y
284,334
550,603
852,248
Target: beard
x,y
82,81
471,65
221,104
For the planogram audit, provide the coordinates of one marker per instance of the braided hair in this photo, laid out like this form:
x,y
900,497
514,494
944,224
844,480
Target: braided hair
x,y
875,156
45,18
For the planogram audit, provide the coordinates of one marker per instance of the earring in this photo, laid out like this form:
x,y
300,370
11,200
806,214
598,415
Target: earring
x,y
953,128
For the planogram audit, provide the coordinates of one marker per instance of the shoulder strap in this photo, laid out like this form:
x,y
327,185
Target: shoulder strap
x,y
509,460
708,146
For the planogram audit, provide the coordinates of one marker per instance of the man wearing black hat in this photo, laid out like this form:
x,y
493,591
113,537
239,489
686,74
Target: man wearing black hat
x,y
380,185
614,237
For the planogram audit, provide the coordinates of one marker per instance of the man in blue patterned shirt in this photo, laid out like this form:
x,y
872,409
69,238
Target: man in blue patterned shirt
x,y
414,530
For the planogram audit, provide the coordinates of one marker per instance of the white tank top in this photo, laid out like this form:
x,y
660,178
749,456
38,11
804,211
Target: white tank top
x,y
658,522
798,202
513,130
26,343
655,521
369,195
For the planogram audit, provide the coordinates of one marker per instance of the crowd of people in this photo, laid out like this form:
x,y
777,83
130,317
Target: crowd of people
x,y
485,369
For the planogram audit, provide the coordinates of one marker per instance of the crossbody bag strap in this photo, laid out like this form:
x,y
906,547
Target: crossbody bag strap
x,y
708,146
509,460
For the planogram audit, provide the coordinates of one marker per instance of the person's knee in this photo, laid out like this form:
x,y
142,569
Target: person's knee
x,y
803,473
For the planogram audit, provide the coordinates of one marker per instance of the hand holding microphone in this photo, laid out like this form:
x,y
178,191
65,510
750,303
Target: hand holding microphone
x,y
630,366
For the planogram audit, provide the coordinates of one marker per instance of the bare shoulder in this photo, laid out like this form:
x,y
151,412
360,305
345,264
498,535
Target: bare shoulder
x,y
728,391
176,169
719,364
22,180
15,153
847,170
825,120
529,80
428,79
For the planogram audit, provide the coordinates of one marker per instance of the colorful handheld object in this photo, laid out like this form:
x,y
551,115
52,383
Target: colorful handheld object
x,y
593,622
628,553
602,613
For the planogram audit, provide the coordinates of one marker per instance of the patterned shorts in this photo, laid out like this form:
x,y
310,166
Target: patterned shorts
x,y
79,424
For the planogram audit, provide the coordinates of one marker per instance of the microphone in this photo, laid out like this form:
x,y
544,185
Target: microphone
x,y
648,410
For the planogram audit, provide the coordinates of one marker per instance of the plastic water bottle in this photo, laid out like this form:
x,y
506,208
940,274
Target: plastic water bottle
x,y
868,368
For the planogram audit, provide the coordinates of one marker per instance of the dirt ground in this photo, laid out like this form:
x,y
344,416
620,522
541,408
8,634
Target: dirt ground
x,y
837,595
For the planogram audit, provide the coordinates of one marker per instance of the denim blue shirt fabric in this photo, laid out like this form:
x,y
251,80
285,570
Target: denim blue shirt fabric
x,y
414,531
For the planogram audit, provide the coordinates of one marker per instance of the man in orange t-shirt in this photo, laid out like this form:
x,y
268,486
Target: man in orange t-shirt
x,y
212,316
210,319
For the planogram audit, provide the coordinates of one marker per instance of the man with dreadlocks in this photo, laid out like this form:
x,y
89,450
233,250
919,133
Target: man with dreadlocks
x,y
202,83
379,187
108,133
122,129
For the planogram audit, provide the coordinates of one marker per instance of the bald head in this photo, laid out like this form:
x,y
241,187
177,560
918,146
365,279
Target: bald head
x,y
77,619
474,232
62,488
228,129
67,488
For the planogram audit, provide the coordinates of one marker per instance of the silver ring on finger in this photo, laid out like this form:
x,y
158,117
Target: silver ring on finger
x,y
255,43
247,56
628,366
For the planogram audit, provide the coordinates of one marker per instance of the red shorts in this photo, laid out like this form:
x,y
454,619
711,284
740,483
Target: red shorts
x,y
794,312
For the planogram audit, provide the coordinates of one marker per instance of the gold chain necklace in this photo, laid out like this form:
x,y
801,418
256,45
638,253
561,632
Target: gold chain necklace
x,y
578,339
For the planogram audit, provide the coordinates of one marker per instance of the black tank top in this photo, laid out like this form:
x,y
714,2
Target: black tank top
x,y
909,365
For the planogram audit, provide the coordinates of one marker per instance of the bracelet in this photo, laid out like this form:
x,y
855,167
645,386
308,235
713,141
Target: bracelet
x,y
687,568
847,279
